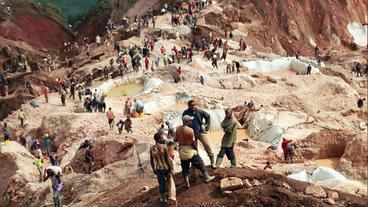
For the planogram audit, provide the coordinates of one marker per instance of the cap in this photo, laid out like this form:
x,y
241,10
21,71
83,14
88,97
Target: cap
x,y
188,118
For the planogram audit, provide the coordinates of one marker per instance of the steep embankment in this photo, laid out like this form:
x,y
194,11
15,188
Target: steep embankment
x,y
287,27
96,20
32,24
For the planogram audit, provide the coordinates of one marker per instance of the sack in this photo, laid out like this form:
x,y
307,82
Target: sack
x,y
171,190
186,153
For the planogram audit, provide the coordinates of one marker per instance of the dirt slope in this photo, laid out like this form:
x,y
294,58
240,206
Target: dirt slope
x,y
97,18
286,27
276,190
30,24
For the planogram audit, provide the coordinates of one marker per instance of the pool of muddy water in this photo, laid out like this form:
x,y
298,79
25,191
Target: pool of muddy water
x,y
329,162
131,89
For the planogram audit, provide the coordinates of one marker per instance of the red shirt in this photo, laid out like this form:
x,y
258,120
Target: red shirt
x,y
175,50
284,144
162,50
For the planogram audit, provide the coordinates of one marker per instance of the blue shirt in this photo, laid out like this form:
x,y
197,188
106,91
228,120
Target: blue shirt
x,y
196,123
47,143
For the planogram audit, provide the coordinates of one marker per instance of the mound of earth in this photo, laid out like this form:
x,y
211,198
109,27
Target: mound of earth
x,y
260,189
353,161
19,177
32,24
286,27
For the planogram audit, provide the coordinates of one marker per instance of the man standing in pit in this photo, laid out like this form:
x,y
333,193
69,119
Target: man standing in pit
x,y
89,159
54,173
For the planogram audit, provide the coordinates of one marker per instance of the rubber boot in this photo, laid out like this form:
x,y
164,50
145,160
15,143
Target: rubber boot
x,y
186,181
233,163
163,198
212,159
218,162
207,177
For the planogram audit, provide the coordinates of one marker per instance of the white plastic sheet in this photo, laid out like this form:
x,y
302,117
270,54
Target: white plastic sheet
x,y
153,84
318,175
359,33
158,105
262,128
289,63
217,116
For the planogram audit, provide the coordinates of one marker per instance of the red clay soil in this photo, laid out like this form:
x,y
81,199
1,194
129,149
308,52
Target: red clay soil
x,y
291,24
27,24
271,192
17,96
92,25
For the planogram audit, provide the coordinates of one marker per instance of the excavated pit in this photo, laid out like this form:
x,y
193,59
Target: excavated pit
x,y
107,152
324,144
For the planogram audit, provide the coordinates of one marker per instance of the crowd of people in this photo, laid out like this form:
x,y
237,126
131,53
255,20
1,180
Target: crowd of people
x,y
195,122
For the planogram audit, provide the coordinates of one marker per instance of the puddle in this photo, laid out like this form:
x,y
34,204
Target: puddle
x,y
216,136
131,89
330,162
281,73
179,106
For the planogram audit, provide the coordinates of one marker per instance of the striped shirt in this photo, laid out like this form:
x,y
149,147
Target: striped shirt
x,y
160,157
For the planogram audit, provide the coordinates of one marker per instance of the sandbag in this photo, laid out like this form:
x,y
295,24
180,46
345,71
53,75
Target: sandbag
x,y
171,190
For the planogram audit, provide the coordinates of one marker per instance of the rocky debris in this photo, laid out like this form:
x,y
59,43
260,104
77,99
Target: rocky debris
x,y
272,80
255,182
262,195
362,125
230,184
330,201
144,189
182,97
287,186
333,195
237,82
247,183
355,158
315,190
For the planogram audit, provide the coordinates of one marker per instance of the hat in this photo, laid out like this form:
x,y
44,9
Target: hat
x,y
187,118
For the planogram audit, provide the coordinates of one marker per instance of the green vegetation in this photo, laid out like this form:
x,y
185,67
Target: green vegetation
x,y
101,7
73,11
49,9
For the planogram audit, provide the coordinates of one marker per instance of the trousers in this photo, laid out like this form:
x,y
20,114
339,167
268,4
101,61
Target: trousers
x,y
162,180
196,161
206,145
229,151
